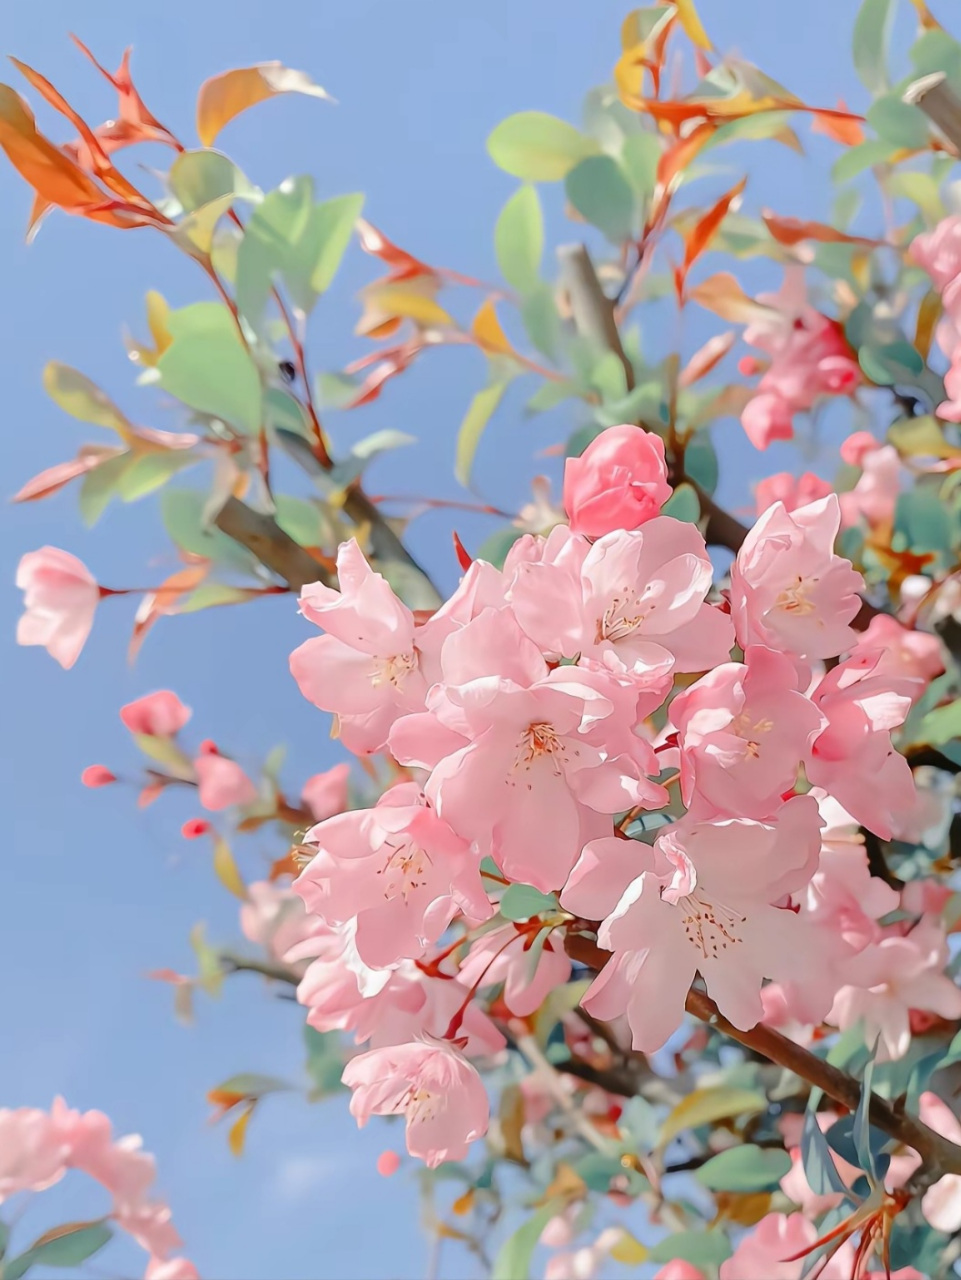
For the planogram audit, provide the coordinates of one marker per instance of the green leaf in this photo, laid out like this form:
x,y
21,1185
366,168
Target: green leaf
x,y
756,128
325,1062
599,191
942,725
683,504
513,1261
550,395
746,1168
165,752
81,398
67,1246
865,155
495,548
208,368
198,177
300,519
937,51
326,237
151,471
921,189
283,413
541,321
872,34
639,160
820,1169
479,413
704,1106
538,147
703,1249
890,362
209,595
862,1124
99,486
182,511
700,461
519,239
897,122
523,901
924,520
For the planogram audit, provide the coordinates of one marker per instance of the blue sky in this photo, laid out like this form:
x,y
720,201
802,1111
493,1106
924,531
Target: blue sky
x,y
94,892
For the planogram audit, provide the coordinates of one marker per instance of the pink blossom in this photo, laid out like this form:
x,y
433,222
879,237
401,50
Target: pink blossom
x,y
504,956
194,828
549,751
762,1254
274,917
171,1269
904,652
856,447
97,775
679,1269
939,252
788,588
222,783
585,1263
433,1086
618,482
159,715
705,904
33,1156
888,979
742,731
941,1203
790,490
636,597
60,599
852,757
875,495
326,793
399,870
366,668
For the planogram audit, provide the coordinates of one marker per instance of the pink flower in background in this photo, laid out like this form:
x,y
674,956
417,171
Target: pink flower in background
x,y
326,793
875,495
679,1269
433,1086
762,1253
852,757
789,590
274,917
939,252
159,715
903,652
790,490
618,482
586,1263
504,956
742,731
97,775
171,1269
399,870
888,979
60,599
810,358
365,670
222,783
941,1203
33,1156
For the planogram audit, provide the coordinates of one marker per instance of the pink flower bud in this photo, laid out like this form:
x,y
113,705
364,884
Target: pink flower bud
x,y
618,482
388,1162
194,828
159,714
97,775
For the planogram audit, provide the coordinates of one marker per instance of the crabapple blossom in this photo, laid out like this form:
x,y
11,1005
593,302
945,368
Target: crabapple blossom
x,y
326,793
222,783
767,1252
60,599
903,651
433,1086
504,956
159,715
585,1263
875,495
399,870
789,590
618,482
790,490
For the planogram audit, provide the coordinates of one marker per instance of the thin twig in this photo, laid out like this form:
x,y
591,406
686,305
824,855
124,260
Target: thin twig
x,y
276,972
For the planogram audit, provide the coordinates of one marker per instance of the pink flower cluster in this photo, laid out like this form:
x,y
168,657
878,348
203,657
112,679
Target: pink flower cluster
x,y
37,1148
536,714
809,358
939,253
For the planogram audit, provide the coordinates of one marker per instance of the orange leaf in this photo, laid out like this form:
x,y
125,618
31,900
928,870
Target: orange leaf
x,y
487,332
50,172
704,229
723,295
928,21
791,231
163,600
238,1131
679,155
704,360
403,265
389,301
223,97
846,131
135,122
54,478
691,23
929,312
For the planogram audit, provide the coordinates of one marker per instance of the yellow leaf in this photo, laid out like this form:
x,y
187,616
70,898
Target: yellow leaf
x,y
83,399
722,294
629,1251
158,309
238,1131
463,1204
226,869
196,229
225,96
692,23
387,303
929,313
922,438
704,1106
487,332
566,1185
746,1209
476,419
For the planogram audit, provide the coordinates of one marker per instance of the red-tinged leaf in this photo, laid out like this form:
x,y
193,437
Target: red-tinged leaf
x,y
388,302
163,601
238,1131
844,129
704,230
677,157
51,173
791,231
223,97
403,266
464,558
704,360
723,295
167,975
134,123
224,1100
151,792
56,477
394,363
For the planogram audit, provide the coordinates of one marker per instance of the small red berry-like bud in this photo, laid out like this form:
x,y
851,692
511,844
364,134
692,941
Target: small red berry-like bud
x,y
194,828
388,1162
208,748
97,775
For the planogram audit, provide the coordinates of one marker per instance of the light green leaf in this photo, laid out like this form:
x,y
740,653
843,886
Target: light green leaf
x,y
519,239
599,191
538,147
937,51
746,1168
253,1085
522,902
940,726
326,238
897,122
872,34
479,413
920,188
704,1106
364,451
211,594
151,471
67,1246
550,395
890,362
865,155
683,504
541,321
495,548
513,1261
703,1249
99,486
183,516
299,519
198,177
208,368
639,159
325,1062
81,398
165,752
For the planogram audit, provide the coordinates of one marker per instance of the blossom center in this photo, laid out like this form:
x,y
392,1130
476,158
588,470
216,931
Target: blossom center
x,y
537,741
404,871
796,599
751,733
622,617
395,670
710,927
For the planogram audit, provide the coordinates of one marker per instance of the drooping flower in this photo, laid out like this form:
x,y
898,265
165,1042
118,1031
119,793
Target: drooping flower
x,y
222,783
159,715
790,490
618,482
433,1086
32,1155
60,598
789,590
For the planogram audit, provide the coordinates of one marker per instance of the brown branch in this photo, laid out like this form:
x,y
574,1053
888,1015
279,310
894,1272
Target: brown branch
x,y
592,309
265,539
939,103
231,963
939,1155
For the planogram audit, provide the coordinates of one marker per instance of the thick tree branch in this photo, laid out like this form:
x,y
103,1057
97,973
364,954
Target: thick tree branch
x,y
265,539
591,308
939,103
939,1155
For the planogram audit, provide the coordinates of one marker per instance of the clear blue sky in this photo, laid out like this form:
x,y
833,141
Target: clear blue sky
x,y
95,893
